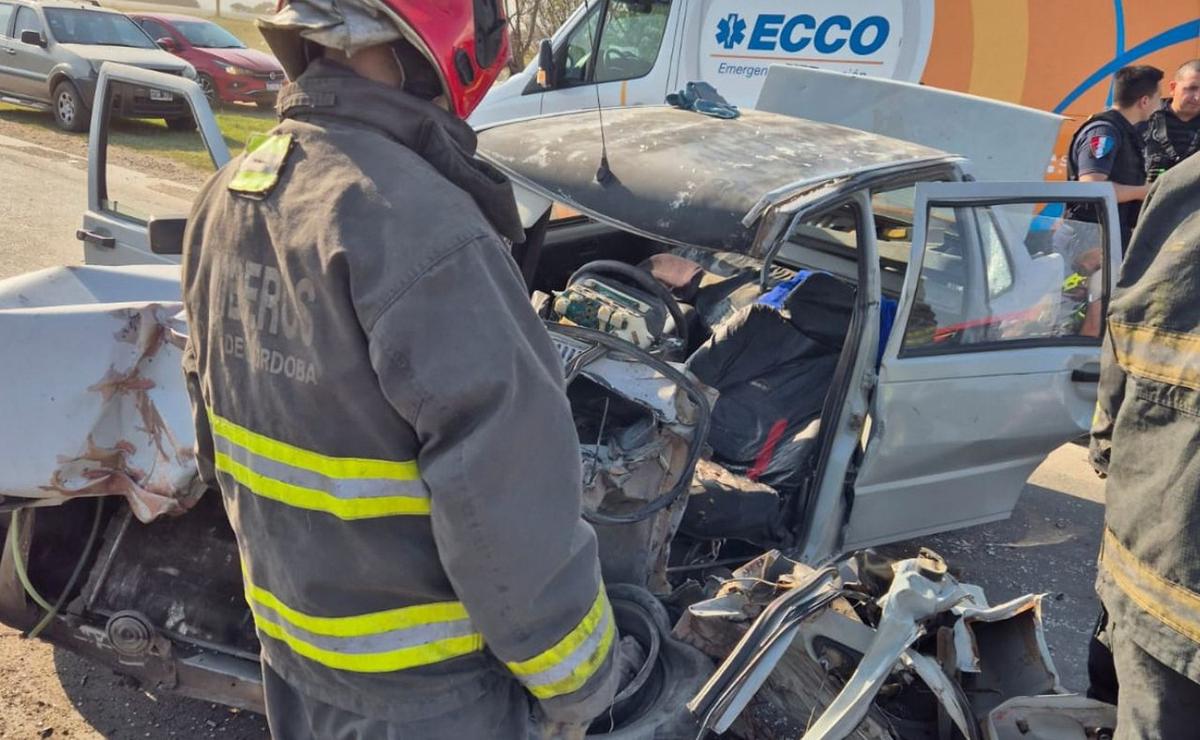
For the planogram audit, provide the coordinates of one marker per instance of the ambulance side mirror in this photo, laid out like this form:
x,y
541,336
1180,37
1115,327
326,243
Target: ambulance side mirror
x,y
547,77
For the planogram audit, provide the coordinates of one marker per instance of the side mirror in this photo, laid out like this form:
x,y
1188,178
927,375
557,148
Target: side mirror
x,y
547,77
166,235
33,38
166,44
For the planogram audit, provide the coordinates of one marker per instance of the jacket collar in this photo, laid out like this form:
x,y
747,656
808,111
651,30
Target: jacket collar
x,y
328,90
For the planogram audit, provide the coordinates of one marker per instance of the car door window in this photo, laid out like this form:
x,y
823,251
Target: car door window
x,y
955,301
626,44
155,29
629,43
27,20
579,47
6,13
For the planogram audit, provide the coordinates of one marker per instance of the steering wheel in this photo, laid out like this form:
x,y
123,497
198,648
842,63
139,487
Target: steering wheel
x,y
642,279
619,63
614,54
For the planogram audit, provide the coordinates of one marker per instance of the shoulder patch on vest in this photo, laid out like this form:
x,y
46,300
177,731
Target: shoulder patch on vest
x,y
258,173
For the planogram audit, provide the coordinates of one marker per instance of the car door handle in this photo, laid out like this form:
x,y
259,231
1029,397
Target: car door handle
x,y
10,51
100,240
1085,376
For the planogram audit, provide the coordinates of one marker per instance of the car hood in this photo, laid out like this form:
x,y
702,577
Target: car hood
x,y
250,59
155,59
682,177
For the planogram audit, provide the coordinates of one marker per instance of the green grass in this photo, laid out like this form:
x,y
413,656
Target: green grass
x,y
237,124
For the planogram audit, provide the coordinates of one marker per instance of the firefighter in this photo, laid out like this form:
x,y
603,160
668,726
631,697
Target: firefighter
x,y
1108,148
379,405
1173,132
1149,399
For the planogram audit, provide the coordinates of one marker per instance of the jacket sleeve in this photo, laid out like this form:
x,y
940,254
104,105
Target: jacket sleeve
x,y
1110,395
204,440
462,356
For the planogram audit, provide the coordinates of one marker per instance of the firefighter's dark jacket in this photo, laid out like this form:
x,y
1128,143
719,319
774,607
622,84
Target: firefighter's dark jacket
x,y
385,416
1147,429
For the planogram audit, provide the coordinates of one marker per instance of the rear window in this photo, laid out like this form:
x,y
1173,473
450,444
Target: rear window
x,y
77,26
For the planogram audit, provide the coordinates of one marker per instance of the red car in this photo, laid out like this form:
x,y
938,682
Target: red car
x,y
226,70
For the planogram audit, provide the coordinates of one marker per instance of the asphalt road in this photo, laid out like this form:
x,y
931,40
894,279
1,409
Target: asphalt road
x,y
1049,545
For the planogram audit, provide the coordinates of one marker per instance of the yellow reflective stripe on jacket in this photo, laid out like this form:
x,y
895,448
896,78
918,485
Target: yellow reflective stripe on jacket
x,y
392,640
314,500
333,467
348,488
363,624
1157,354
1168,602
568,665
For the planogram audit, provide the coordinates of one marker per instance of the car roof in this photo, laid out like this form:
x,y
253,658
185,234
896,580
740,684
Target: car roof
x,y
171,17
77,4
686,178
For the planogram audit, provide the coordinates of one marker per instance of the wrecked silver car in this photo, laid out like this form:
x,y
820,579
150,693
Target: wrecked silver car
x,y
778,337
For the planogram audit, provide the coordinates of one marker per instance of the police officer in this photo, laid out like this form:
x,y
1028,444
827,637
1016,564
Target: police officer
x,y
380,407
1108,148
1149,394
1173,132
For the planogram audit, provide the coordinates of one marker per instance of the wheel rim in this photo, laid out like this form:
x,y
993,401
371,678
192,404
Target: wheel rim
x,y
66,107
209,90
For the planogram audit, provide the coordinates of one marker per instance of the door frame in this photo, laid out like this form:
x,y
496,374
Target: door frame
x,y
108,237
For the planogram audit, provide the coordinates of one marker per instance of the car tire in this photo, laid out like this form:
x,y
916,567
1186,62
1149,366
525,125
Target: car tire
x,y
183,123
70,112
265,104
209,87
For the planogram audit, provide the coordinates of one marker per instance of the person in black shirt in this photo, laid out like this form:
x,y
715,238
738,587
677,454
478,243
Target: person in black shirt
x,y
1173,132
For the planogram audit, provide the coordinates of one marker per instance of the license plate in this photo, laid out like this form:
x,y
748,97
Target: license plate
x,y
161,95
274,85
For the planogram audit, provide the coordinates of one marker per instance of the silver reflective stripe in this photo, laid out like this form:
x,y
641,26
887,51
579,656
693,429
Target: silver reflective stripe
x,y
566,667
343,488
382,642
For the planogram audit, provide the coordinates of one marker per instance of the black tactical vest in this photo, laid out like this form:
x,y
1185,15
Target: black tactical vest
x,y
1128,169
1161,154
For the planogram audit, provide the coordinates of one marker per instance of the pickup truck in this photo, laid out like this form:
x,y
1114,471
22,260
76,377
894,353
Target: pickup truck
x,y
776,334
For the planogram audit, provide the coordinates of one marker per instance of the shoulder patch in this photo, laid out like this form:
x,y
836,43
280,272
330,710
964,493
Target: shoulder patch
x,y
258,173
1101,145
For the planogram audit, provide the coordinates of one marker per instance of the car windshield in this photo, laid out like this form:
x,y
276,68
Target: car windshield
x,y
77,26
208,35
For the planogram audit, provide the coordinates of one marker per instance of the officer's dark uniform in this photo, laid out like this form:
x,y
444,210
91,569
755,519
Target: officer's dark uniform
x,y
1168,140
1108,144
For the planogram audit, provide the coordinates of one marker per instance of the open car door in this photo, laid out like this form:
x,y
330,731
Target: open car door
x,y
123,202
984,374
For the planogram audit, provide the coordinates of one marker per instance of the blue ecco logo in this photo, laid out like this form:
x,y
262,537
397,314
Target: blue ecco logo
x,y
775,31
